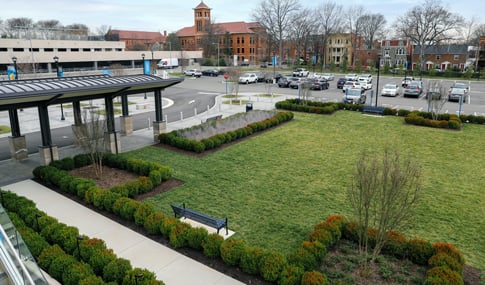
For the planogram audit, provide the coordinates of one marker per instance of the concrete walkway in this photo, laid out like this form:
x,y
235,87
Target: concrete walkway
x,y
169,266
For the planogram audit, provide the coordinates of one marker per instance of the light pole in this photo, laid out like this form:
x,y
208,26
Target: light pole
x,y
143,63
378,73
79,238
217,54
56,59
14,59
170,44
137,276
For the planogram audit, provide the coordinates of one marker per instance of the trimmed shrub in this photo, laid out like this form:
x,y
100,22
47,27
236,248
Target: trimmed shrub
x,y
395,245
323,236
195,237
148,278
250,259
313,278
92,280
99,259
419,251
291,275
107,199
76,272
449,249
35,242
59,264
48,255
443,259
232,250
116,270
89,246
443,275
178,235
153,222
167,225
143,211
212,245
303,258
271,265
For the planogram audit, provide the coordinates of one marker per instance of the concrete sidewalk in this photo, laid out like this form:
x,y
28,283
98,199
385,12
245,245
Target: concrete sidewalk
x,y
168,265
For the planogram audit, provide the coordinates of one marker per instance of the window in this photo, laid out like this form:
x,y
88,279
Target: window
x,y
97,49
3,49
47,49
34,49
108,49
199,26
238,50
438,57
62,49
329,41
18,49
347,41
118,49
242,40
386,52
456,57
86,49
238,40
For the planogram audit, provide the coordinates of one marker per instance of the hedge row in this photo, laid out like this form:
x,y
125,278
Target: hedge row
x,y
453,122
152,175
176,140
54,246
331,107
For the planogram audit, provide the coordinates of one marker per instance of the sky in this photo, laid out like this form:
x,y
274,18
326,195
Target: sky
x,y
172,15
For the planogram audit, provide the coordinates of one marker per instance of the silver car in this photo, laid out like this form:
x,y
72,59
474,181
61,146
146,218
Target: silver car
x,y
390,90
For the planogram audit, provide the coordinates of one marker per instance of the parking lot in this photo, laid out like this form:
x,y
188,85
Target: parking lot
x,y
475,103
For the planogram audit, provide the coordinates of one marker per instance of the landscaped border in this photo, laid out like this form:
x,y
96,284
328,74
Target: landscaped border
x,y
175,139
298,267
67,256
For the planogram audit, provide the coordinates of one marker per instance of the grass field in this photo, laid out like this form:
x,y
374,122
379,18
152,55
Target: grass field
x,y
276,186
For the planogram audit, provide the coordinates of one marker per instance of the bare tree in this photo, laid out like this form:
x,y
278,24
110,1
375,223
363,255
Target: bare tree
x,y
302,28
427,25
102,30
437,96
329,15
371,25
90,135
275,16
352,16
383,194
15,24
234,73
478,31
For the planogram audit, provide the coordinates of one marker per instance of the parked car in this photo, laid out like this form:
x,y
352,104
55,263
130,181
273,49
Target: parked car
x,y
285,81
460,86
193,72
413,89
319,84
328,76
296,83
341,83
390,89
364,83
210,72
366,77
352,85
260,76
268,77
352,76
301,72
354,96
248,78
406,81
456,93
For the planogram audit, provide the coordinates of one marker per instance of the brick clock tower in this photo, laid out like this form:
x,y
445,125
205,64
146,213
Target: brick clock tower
x,y
202,18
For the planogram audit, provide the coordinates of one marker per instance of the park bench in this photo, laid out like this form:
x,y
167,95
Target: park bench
x,y
373,109
213,118
182,211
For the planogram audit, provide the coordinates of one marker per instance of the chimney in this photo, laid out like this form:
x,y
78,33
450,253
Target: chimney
x,y
165,33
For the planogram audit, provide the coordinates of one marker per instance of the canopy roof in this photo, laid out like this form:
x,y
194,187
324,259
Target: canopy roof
x,y
33,92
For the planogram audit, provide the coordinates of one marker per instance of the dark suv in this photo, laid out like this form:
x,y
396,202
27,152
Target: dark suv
x,y
341,83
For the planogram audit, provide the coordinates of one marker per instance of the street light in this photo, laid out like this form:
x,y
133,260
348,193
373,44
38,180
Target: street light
x,y
217,54
170,43
79,238
14,59
137,276
56,59
378,73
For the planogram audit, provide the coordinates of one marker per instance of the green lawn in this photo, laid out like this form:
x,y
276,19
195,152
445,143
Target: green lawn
x,y
275,187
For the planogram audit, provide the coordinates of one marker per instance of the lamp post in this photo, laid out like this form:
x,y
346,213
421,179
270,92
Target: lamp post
x,y
143,63
79,238
137,276
170,44
217,53
14,59
56,59
378,73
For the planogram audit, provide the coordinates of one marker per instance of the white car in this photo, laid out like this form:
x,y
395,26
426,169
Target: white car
x,y
248,78
352,77
390,90
366,77
364,83
193,72
328,76
352,85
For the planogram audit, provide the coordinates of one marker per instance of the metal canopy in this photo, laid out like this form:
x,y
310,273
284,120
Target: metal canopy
x,y
32,92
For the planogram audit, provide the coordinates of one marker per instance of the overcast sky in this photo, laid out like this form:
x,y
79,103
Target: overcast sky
x,y
171,15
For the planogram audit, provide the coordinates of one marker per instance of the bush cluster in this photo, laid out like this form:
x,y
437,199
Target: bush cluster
x,y
417,118
54,246
176,140
446,265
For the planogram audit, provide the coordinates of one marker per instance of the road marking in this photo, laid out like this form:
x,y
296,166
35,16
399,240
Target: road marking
x,y
208,93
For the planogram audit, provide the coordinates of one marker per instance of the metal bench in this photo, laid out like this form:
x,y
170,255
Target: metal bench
x,y
181,211
373,109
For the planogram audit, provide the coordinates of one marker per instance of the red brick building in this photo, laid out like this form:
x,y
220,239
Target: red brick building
x,y
136,40
245,40
441,57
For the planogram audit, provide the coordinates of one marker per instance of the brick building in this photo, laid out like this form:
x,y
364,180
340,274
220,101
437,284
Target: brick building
x,y
396,53
247,41
481,53
136,40
441,57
